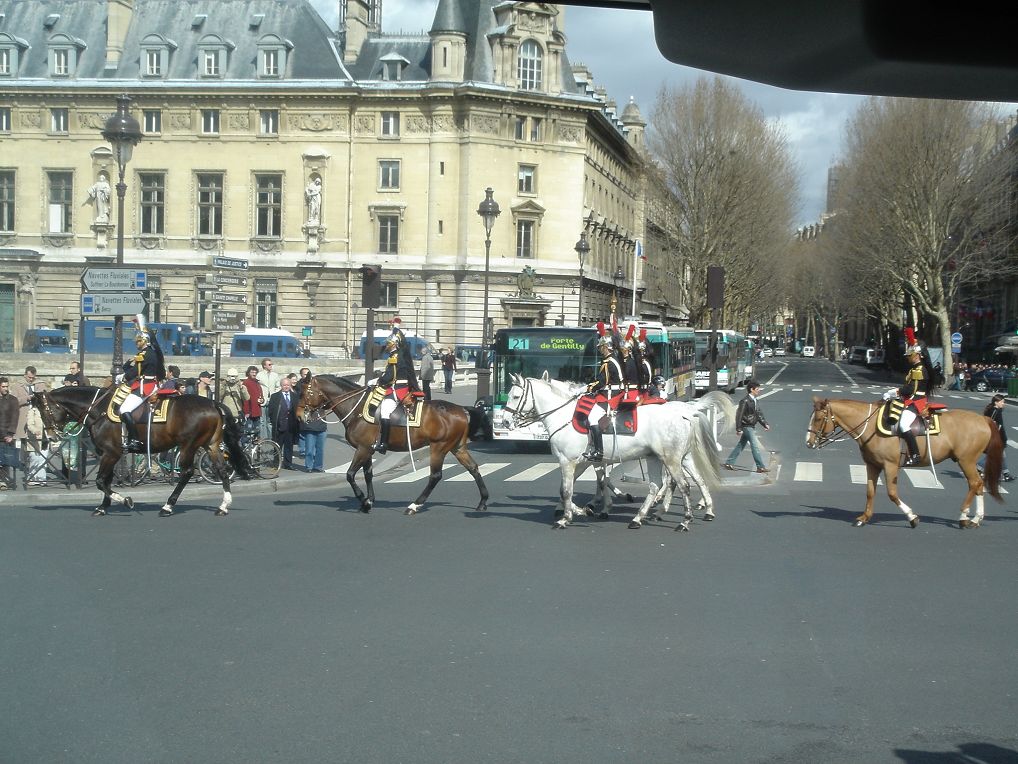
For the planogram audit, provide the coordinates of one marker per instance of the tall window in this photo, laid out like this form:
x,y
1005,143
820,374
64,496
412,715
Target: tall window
x,y
153,202
210,204
6,61
528,71
152,120
269,205
61,62
210,63
61,201
6,200
269,121
390,294
388,174
390,124
58,120
270,63
525,238
266,301
154,306
388,234
153,63
528,129
5,119
527,179
210,121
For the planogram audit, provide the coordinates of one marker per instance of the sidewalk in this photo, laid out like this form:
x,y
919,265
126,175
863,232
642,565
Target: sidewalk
x,y
338,453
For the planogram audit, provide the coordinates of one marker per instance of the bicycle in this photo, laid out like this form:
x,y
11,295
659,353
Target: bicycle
x,y
264,454
134,469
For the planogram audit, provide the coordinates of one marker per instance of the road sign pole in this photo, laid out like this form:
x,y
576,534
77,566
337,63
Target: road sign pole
x,y
219,364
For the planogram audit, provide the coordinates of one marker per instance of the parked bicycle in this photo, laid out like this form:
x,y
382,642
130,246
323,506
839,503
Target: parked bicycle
x,y
264,454
135,469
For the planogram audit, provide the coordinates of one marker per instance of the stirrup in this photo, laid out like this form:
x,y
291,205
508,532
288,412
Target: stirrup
x,y
592,456
911,460
379,448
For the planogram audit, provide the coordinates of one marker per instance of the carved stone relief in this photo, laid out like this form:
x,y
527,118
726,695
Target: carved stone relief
x,y
180,120
364,124
485,123
239,121
93,121
418,124
31,119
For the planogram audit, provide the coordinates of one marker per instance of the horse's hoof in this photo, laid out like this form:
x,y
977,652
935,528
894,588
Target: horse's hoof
x,y
98,512
482,507
411,510
858,524
165,512
129,502
635,525
365,506
589,508
913,521
221,512
682,527
708,516
560,525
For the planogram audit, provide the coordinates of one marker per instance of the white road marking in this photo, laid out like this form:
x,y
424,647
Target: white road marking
x,y
486,469
809,471
533,473
922,478
858,472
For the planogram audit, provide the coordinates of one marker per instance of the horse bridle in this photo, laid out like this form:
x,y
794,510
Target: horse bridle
x,y
53,417
331,403
837,432
535,416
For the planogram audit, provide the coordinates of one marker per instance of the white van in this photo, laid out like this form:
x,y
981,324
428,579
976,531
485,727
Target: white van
x,y
808,351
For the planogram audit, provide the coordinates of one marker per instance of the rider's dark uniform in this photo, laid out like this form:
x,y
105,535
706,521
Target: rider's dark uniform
x,y
607,389
142,372
914,393
397,381
632,374
916,388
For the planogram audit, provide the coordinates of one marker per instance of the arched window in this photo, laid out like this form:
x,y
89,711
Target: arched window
x,y
529,70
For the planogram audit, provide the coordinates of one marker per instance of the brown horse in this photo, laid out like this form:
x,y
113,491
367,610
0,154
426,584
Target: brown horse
x,y
445,427
964,436
192,422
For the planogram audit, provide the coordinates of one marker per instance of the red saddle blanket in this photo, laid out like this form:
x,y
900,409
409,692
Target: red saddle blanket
x,y
625,416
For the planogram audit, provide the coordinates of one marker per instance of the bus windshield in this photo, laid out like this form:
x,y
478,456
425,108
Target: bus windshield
x,y
566,353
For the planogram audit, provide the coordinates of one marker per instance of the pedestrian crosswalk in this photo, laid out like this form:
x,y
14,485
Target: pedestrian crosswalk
x,y
798,472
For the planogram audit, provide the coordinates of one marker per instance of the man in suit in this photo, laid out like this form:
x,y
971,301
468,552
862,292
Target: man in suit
x,y
283,420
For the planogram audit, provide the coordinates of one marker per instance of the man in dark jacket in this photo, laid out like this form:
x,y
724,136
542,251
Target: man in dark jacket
x,y
747,417
8,430
282,410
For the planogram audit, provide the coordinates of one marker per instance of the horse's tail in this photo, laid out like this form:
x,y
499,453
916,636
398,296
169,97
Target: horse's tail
x,y
994,461
721,403
232,435
705,453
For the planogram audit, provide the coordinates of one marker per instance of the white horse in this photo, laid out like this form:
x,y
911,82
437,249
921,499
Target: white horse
x,y
671,432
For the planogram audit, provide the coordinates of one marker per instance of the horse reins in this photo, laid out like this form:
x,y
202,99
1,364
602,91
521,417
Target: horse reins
x,y
838,432
535,416
331,403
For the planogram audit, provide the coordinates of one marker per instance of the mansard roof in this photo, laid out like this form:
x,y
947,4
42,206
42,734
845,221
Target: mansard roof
x,y
239,23
415,49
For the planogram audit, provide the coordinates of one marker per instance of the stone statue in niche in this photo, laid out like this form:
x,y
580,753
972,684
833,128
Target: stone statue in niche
x,y
99,195
313,194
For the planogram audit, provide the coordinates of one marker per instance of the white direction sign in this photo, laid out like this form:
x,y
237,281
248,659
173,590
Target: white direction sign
x,y
112,304
224,279
113,279
228,320
238,298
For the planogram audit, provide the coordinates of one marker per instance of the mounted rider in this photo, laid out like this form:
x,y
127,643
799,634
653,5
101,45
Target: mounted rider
x,y
604,393
398,382
142,374
630,367
645,374
914,394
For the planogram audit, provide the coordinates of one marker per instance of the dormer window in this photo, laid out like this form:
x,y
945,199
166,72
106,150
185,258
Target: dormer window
x,y
272,54
11,48
155,56
529,66
63,55
213,56
393,65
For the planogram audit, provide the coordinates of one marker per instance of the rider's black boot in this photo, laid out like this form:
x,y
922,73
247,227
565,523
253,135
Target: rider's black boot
x,y
595,451
913,449
131,441
381,445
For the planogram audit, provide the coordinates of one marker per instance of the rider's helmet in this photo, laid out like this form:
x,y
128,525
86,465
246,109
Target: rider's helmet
x,y
141,339
641,342
604,340
395,338
913,350
630,340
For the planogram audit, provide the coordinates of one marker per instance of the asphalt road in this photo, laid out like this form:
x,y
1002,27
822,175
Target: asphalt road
x,y
300,630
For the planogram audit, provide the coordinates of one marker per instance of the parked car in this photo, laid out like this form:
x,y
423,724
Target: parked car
x,y
779,350
985,380
866,355
767,352
808,351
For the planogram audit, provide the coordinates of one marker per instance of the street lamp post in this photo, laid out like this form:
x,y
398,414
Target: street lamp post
x,y
123,133
618,278
488,210
582,250
417,316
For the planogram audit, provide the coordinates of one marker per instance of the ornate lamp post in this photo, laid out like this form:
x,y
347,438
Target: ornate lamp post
x,y
488,210
123,133
582,250
617,279
417,316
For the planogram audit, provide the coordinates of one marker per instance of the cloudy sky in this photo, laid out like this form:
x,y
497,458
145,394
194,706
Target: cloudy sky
x,y
619,49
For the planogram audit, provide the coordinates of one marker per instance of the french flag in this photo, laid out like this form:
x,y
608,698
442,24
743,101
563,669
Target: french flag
x,y
639,251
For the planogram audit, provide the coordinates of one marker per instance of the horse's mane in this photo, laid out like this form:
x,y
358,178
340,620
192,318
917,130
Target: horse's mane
x,y
342,382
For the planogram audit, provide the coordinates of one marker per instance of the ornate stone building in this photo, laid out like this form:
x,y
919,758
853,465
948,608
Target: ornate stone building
x,y
309,152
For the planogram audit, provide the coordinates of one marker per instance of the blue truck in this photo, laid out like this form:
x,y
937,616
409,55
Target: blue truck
x,y
174,339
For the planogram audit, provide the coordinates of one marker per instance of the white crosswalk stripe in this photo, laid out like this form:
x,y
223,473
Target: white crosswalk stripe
x,y
532,473
809,471
858,473
486,469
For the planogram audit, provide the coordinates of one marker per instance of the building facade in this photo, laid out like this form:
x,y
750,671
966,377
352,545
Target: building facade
x,y
308,152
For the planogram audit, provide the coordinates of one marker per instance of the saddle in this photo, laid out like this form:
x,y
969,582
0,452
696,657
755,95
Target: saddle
x,y
159,405
400,417
890,412
620,421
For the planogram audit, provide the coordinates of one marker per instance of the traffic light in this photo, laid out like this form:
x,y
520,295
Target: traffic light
x,y
371,286
715,287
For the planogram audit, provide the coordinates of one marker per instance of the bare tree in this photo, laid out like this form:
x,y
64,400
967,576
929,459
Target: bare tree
x,y
735,184
921,197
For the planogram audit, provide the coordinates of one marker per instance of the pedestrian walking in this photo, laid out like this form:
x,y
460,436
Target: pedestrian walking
x,y
448,367
747,417
427,374
995,411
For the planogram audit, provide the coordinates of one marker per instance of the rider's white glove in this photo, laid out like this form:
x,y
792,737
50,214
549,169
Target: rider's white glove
x,y
890,395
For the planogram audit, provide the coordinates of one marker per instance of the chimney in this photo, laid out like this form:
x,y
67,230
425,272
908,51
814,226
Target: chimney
x,y
118,21
357,23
